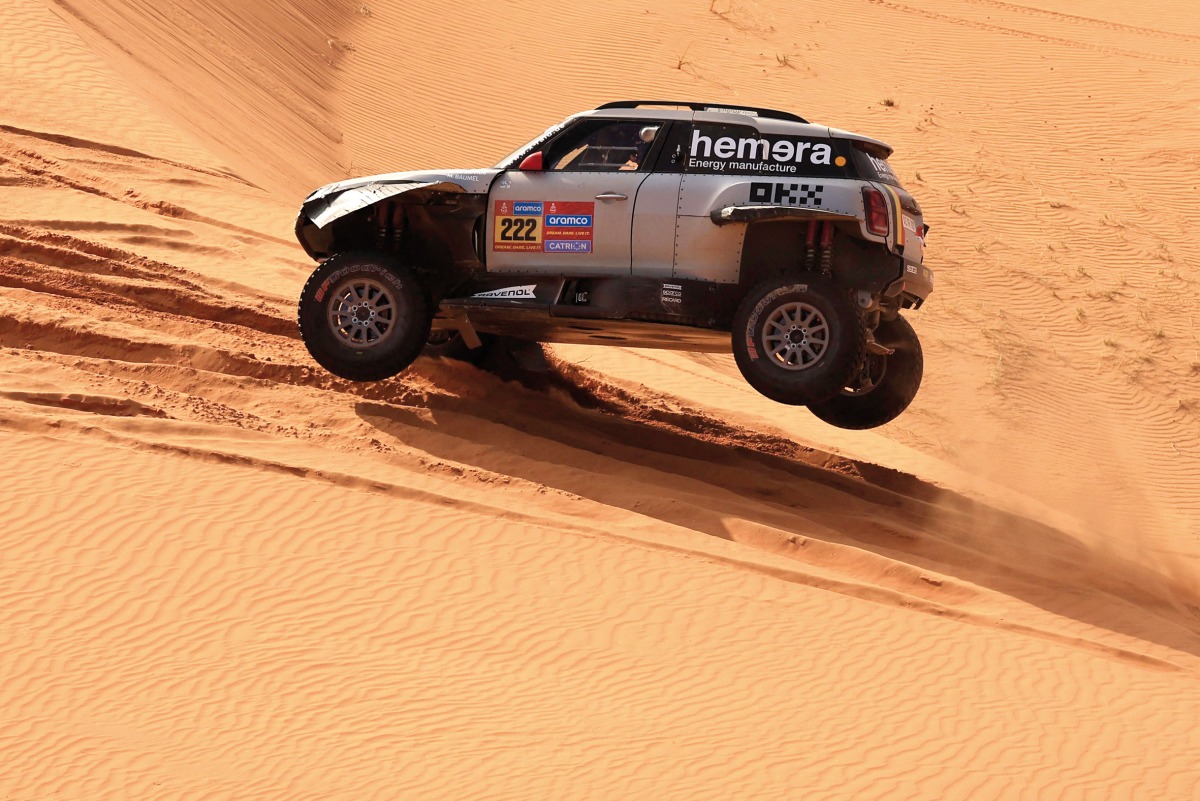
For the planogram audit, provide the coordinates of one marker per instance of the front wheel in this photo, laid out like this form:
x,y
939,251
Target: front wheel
x,y
887,385
363,316
798,339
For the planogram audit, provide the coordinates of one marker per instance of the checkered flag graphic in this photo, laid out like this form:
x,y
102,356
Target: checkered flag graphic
x,y
810,195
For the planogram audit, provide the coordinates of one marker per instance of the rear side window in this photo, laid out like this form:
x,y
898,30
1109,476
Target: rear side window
x,y
873,168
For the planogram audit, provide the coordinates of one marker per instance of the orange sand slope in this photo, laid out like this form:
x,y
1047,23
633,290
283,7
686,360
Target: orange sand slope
x,y
228,575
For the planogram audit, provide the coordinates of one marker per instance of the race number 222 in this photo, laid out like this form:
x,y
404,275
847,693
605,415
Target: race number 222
x,y
520,229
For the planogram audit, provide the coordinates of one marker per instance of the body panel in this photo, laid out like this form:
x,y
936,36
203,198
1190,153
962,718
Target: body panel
x,y
654,237
575,222
717,171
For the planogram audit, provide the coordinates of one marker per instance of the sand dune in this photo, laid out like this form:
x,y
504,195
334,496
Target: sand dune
x,y
228,574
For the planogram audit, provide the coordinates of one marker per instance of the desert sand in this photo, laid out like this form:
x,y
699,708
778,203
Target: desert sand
x,y
225,574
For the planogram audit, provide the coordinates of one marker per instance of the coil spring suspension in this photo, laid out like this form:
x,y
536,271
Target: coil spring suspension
x,y
818,246
389,226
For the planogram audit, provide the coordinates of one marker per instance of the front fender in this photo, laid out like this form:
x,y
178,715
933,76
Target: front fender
x,y
325,209
336,201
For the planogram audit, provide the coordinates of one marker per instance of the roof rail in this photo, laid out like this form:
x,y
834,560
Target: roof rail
x,y
759,112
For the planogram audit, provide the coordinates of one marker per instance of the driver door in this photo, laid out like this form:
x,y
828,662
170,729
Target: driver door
x,y
574,216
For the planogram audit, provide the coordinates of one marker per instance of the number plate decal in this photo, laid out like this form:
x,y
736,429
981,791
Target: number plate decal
x,y
543,226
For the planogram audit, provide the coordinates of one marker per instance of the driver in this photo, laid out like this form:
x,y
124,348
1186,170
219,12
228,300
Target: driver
x,y
645,140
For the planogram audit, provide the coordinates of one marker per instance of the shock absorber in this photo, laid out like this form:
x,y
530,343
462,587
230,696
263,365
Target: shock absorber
x,y
826,246
389,226
810,245
383,219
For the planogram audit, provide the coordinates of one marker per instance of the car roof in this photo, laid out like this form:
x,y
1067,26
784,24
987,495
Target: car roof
x,y
766,120
747,111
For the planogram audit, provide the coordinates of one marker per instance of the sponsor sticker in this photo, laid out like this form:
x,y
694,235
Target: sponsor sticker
x,y
672,293
717,149
781,193
743,111
525,291
568,221
569,246
881,166
528,226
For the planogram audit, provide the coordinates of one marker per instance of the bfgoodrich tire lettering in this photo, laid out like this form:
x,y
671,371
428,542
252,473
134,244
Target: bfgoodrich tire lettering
x,y
363,316
798,339
895,382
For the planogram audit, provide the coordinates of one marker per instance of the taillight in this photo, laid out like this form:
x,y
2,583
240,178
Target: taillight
x,y
877,212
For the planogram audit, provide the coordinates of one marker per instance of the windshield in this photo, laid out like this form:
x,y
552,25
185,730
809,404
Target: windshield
x,y
512,159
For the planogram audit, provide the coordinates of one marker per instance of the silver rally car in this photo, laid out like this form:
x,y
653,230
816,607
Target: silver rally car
x,y
644,224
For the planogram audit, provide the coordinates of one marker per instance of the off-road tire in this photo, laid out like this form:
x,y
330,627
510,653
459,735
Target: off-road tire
x,y
363,316
896,380
799,339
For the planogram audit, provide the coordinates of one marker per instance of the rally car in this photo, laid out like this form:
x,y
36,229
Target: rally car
x,y
642,224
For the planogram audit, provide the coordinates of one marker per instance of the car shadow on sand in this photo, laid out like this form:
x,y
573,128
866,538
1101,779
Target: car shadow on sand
x,y
570,431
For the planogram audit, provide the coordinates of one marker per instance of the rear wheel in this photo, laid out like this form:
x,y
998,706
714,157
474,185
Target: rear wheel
x,y
886,386
798,339
363,316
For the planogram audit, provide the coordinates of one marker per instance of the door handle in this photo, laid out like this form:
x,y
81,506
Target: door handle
x,y
611,196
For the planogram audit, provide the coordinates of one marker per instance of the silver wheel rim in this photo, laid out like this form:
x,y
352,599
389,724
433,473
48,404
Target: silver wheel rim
x,y
795,336
362,313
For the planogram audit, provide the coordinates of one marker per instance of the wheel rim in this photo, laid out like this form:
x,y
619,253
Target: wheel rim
x,y
795,336
362,313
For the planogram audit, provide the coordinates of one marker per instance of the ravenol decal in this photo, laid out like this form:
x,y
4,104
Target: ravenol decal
x,y
543,226
713,152
785,194
509,292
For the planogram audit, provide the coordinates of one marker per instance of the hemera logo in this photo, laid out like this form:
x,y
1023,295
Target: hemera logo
x,y
780,151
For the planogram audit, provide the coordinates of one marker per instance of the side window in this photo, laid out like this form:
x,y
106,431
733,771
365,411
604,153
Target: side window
x,y
603,146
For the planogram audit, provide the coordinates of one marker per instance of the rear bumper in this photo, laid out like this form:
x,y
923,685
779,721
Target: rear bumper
x,y
914,286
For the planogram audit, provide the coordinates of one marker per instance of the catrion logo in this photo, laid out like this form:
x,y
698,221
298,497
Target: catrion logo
x,y
569,246
509,292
